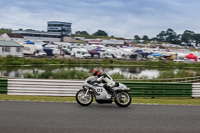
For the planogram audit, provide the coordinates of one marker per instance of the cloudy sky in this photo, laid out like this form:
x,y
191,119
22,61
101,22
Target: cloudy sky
x,y
120,18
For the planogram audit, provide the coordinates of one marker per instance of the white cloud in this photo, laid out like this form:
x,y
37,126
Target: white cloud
x,y
116,17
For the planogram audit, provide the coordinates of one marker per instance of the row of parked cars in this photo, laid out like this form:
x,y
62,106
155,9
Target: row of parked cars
x,y
100,51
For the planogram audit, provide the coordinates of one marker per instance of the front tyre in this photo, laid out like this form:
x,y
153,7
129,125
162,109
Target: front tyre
x,y
123,99
83,99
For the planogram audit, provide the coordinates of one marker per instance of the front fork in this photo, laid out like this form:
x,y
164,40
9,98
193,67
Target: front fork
x,y
86,93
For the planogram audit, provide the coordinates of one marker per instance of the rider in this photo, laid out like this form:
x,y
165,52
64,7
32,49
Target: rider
x,y
99,77
105,79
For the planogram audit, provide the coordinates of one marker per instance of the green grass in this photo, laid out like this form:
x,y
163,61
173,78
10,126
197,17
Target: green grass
x,y
136,100
16,61
36,98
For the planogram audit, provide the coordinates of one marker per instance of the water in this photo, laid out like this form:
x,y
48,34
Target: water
x,y
137,72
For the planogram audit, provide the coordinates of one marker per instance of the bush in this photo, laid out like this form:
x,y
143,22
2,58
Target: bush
x,y
71,74
176,74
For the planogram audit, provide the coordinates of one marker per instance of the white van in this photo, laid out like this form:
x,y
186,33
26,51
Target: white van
x,y
116,53
106,54
33,49
80,53
180,57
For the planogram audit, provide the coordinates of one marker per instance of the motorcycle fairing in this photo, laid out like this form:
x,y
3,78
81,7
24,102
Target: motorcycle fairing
x,y
103,94
121,87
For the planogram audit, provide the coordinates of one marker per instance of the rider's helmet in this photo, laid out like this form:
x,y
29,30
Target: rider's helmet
x,y
96,72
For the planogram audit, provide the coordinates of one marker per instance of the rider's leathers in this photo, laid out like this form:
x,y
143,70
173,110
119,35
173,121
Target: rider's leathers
x,y
88,81
104,78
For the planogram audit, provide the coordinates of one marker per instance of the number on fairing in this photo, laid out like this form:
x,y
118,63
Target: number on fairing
x,y
99,90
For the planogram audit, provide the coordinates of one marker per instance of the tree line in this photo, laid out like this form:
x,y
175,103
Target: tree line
x,y
4,30
98,33
188,38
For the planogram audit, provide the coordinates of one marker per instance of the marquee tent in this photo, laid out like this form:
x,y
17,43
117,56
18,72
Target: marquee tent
x,y
94,53
29,42
156,54
191,56
144,54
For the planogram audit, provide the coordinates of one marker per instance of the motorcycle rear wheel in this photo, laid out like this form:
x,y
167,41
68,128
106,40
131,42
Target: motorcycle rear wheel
x,y
83,99
123,99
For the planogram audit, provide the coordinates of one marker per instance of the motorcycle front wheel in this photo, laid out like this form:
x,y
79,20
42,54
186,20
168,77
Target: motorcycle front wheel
x,y
84,99
123,99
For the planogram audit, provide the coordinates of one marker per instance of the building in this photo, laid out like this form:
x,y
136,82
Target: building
x,y
56,31
112,42
64,28
12,37
39,35
69,39
10,48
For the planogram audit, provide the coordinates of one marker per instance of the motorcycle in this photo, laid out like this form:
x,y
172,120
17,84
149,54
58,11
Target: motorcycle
x,y
121,97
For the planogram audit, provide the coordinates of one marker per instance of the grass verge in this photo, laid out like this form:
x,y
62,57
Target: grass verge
x,y
36,98
137,100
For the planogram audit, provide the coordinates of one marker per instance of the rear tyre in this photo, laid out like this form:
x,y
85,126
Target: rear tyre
x,y
83,99
123,99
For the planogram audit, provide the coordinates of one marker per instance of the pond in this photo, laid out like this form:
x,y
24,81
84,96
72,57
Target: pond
x,y
127,71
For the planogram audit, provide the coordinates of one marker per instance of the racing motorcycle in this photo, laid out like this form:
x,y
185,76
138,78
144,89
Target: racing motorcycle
x,y
121,97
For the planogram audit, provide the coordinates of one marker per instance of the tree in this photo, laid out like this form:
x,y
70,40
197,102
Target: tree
x,y
30,30
161,36
188,37
145,37
136,37
170,36
78,32
178,39
3,30
100,33
84,33
197,39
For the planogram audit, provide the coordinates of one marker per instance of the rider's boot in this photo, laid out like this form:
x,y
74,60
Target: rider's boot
x,y
113,93
110,91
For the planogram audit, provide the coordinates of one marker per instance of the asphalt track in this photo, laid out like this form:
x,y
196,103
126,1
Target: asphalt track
x,y
58,117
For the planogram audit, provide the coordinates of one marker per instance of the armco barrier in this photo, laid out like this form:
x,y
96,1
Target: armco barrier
x,y
196,90
50,87
43,87
153,89
3,86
